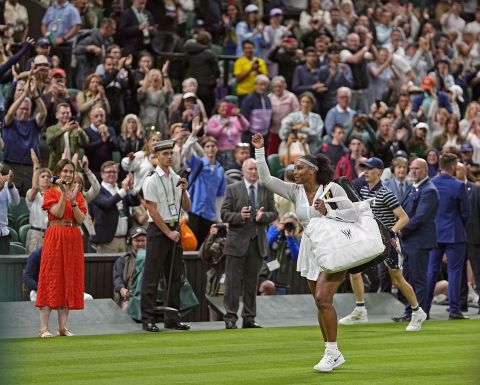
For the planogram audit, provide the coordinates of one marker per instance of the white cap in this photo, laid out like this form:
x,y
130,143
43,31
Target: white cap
x,y
251,8
422,125
188,95
457,90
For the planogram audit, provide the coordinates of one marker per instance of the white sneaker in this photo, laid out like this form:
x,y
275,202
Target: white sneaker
x,y
359,315
415,324
330,360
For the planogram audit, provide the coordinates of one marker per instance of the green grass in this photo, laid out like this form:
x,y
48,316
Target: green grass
x,y
442,353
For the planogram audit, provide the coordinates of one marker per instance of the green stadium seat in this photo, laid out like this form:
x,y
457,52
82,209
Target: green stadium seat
x,y
23,219
19,209
22,234
1,155
13,234
16,249
274,165
116,157
280,173
232,99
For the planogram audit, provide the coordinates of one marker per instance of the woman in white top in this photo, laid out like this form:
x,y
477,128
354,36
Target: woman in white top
x,y
311,174
38,217
142,162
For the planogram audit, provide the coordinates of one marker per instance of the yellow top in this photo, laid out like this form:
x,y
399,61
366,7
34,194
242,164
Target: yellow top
x,y
242,65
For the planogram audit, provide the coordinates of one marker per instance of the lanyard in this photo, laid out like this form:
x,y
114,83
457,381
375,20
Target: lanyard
x,y
165,189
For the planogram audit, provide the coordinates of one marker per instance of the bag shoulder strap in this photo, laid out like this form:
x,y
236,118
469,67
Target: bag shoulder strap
x,y
333,199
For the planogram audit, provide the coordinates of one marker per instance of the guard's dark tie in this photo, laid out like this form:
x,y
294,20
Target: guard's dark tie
x,y
253,210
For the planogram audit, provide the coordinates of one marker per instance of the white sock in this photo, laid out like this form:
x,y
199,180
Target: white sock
x,y
331,346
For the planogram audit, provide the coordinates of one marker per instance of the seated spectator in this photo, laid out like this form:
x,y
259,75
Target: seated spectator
x,y
65,137
417,145
473,137
466,151
341,113
188,85
449,140
21,132
305,122
154,97
132,135
360,127
246,70
102,141
143,162
38,217
124,267
335,149
293,147
423,104
283,103
347,165
89,49
386,142
233,170
208,183
110,210
187,111
227,127
92,96
433,161
8,196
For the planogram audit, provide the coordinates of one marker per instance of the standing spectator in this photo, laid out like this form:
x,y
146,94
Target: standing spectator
x,y
433,161
334,75
246,69
341,113
90,47
348,164
92,96
8,196
449,140
233,169
61,281
208,183
132,135
179,135
154,97
60,25
417,145
427,103
202,64
64,138
21,133
110,210
102,141
124,267
189,85
137,27
335,149
252,30
473,137
145,63
273,35
313,16
384,29
228,29
380,73
304,121
16,17
452,20
227,127
399,184
38,217
246,243
337,28
451,218
419,236
283,103
306,77
142,162
288,57
87,13
420,57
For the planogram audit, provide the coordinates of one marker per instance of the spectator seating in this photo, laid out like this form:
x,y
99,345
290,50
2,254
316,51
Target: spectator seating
x,y
22,234
17,249
13,234
274,165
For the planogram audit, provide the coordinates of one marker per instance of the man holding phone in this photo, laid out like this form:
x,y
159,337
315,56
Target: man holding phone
x,y
65,136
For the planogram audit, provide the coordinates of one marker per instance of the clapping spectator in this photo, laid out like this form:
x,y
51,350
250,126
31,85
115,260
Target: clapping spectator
x,y
250,30
131,138
306,77
474,138
8,196
417,145
92,96
230,19
313,16
449,140
293,147
288,57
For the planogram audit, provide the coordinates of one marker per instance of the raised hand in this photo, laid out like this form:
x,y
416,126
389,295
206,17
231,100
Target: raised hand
x,y
259,214
35,160
257,140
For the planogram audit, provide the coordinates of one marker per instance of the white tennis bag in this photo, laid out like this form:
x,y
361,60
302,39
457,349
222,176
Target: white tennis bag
x,y
338,245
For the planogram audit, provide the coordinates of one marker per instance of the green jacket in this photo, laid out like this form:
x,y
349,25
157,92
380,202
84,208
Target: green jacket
x,y
56,143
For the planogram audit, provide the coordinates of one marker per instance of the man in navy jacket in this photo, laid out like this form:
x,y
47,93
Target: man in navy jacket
x,y
452,216
419,236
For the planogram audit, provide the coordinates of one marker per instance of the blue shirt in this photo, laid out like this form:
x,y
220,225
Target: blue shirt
x,y
304,78
8,196
59,19
338,116
209,184
19,138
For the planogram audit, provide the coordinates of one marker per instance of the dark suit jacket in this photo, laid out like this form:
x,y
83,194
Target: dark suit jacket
x,y
238,238
393,187
454,210
98,151
133,37
473,224
105,213
421,206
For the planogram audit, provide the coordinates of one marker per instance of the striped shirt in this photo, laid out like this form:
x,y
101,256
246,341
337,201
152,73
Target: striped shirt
x,y
383,204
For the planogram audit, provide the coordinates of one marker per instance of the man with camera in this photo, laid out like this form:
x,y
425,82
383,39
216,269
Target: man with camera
x,y
248,208
124,268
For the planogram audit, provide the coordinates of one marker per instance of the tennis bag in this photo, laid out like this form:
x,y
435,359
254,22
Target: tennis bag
x,y
338,245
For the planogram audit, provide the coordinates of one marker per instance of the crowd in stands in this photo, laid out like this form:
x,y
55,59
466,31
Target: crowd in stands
x,y
107,79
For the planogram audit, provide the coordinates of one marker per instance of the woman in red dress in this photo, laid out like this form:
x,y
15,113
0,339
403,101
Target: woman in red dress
x,y
60,285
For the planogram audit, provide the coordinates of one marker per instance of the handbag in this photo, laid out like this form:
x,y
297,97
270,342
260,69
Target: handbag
x,y
188,239
338,245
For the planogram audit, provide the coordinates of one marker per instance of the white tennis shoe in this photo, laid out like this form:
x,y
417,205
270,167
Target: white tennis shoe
x,y
330,360
415,324
359,315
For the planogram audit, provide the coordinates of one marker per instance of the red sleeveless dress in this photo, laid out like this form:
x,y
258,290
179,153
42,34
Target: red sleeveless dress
x,y
61,281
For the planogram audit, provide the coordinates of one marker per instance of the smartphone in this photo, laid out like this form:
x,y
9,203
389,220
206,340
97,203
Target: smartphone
x,y
230,108
195,109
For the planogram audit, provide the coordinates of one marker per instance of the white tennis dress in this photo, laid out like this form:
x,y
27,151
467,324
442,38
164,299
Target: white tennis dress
x,y
306,263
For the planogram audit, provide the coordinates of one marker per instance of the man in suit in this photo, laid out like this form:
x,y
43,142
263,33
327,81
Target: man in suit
x,y
137,27
419,236
452,216
399,184
473,234
248,208
110,209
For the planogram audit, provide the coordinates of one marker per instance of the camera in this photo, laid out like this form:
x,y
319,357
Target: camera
x,y
222,230
289,226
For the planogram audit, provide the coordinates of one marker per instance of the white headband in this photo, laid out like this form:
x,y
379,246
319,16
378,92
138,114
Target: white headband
x,y
308,163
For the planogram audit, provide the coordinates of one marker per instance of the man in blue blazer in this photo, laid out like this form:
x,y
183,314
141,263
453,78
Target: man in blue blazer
x,y
399,184
452,216
110,210
419,236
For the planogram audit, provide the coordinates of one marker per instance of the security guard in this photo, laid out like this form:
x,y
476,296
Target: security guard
x,y
162,190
